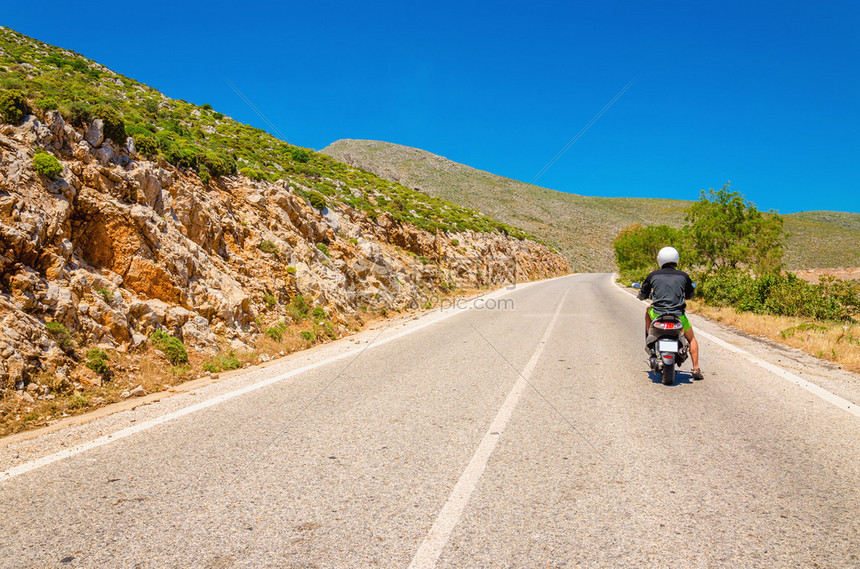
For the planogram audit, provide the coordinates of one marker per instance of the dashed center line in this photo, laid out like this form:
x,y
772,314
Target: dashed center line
x,y
437,538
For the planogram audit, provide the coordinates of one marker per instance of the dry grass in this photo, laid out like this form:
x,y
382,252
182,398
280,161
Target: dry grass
x,y
833,341
149,369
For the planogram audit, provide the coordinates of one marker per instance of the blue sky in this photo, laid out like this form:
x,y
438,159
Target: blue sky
x,y
764,94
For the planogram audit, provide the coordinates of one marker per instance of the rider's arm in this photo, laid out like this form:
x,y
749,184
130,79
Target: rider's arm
x,y
645,289
689,289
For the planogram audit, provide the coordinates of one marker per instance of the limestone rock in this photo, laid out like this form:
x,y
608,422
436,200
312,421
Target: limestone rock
x,y
146,278
138,391
240,347
121,247
197,334
95,133
256,200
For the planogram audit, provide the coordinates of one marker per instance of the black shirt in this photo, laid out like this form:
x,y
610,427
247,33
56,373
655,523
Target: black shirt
x,y
669,287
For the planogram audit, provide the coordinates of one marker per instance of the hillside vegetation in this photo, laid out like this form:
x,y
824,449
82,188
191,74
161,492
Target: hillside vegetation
x,y
582,227
145,241
199,138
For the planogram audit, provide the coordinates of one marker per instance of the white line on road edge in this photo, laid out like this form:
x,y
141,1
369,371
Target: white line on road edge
x,y
146,425
831,398
436,540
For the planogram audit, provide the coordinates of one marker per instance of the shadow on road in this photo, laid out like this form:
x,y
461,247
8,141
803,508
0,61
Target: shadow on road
x,y
681,377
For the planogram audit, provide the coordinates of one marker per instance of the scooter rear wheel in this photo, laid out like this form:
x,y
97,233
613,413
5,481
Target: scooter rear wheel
x,y
668,374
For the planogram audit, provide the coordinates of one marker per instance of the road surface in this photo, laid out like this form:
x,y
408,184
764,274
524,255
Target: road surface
x,y
524,430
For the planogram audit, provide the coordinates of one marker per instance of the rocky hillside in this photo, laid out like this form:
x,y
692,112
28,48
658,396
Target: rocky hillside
x,y
108,252
116,247
582,227
39,78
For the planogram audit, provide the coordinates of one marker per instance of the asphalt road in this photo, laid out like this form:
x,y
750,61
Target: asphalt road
x,y
527,432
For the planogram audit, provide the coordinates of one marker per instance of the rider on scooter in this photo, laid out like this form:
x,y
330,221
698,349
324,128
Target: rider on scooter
x,y
670,287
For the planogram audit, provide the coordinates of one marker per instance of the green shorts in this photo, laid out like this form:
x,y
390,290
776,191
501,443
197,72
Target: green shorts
x,y
652,314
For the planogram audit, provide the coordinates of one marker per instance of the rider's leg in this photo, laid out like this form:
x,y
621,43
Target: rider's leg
x,y
694,347
647,321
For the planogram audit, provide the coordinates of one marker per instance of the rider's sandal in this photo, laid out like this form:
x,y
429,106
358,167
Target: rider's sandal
x,y
697,373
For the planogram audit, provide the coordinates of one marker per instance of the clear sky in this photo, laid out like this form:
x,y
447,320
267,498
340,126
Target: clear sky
x,y
764,94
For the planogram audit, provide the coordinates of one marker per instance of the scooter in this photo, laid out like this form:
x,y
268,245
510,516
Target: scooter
x,y
667,346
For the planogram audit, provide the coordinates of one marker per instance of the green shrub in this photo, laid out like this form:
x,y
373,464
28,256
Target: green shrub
x,y
275,333
291,270
319,313
299,155
13,106
174,125
114,127
728,232
324,248
636,248
300,307
11,82
217,164
60,334
782,294
327,328
230,361
182,156
306,335
106,294
145,144
353,240
74,64
455,242
803,327
173,348
203,173
254,174
78,401
268,247
47,165
135,129
270,300
180,370
46,103
222,363
97,361
79,114
317,200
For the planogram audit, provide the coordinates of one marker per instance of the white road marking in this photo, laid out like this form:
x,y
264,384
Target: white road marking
x,y
146,425
437,538
831,398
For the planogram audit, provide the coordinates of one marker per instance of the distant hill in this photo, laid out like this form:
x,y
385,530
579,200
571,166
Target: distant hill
x,y
582,227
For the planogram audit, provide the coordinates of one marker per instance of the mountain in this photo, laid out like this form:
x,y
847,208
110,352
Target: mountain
x,y
144,240
582,227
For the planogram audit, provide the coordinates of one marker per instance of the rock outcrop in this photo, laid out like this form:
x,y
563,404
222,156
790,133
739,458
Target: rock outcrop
x,y
117,247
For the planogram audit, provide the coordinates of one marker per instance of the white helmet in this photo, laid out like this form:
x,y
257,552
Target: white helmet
x,y
667,255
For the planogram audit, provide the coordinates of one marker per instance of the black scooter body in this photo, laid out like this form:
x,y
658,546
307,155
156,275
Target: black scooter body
x,y
667,346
